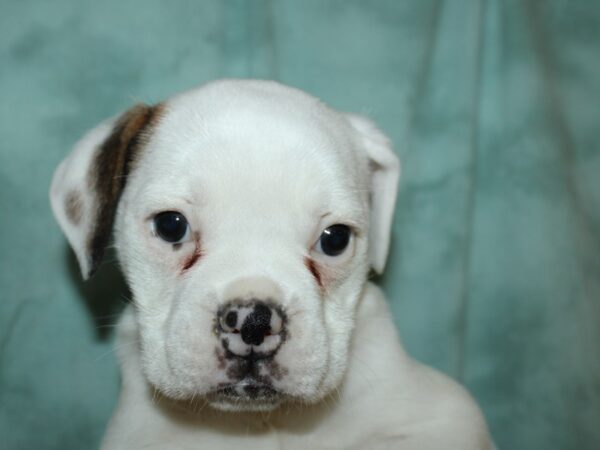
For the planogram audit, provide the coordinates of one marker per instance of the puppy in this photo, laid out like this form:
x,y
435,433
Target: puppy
x,y
247,216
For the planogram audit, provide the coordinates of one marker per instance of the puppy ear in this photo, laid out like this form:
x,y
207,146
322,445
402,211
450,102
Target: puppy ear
x,y
87,185
384,167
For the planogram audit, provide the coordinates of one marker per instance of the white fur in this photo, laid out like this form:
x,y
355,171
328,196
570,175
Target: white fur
x,y
259,170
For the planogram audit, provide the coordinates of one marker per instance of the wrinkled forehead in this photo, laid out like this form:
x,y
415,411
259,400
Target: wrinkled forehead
x,y
234,142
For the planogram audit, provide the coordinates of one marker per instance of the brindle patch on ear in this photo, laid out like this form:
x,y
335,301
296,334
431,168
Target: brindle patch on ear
x,y
108,173
74,206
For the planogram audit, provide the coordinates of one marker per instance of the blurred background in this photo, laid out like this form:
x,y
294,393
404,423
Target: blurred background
x,y
494,110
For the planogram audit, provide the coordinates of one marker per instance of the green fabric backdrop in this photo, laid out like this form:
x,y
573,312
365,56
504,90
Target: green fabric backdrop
x,y
494,108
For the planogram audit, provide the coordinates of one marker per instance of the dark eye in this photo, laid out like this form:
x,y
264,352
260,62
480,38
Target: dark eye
x,y
171,226
334,240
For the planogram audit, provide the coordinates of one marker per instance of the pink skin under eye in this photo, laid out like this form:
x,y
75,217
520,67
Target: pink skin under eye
x,y
312,267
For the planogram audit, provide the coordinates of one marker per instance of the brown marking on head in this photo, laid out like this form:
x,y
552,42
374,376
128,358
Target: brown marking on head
x,y
311,265
114,160
74,206
189,262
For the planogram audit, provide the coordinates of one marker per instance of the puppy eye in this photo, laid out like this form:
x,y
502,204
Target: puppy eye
x,y
171,226
334,240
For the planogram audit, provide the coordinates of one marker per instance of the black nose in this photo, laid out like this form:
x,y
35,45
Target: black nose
x,y
251,321
257,325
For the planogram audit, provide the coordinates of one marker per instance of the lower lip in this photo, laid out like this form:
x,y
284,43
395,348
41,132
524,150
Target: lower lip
x,y
248,391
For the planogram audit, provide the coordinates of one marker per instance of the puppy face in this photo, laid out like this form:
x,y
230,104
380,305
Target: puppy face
x,y
245,230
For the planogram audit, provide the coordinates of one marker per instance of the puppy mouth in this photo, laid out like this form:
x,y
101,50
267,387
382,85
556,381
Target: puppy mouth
x,y
248,394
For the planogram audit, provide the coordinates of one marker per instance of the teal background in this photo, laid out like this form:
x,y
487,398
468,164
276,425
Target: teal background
x,y
494,109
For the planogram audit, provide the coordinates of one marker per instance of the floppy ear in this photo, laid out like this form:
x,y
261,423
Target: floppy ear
x,y
384,172
87,185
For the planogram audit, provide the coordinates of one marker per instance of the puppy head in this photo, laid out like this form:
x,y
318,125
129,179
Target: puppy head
x,y
246,216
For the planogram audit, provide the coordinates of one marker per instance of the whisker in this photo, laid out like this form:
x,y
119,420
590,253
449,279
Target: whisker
x,y
114,349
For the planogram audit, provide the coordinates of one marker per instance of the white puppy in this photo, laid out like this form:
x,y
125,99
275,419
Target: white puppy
x,y
246,216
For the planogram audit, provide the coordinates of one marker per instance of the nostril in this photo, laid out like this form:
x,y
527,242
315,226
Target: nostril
x,y
228,321
231,319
